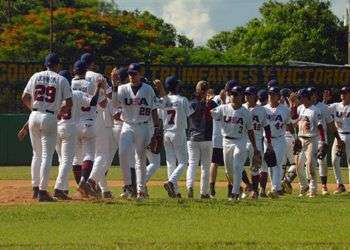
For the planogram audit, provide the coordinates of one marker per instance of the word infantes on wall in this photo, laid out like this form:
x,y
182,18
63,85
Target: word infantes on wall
x,y
214,74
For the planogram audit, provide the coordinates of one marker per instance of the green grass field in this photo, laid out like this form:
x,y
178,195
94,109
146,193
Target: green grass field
x,y
159,223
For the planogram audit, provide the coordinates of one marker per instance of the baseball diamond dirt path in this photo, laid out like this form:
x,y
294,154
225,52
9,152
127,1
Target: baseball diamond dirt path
x,y
20,192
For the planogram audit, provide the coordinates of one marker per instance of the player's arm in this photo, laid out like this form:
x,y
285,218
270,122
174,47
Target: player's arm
x,y
94,99
115,86
268,137
26,96
160,87
27,100
23,132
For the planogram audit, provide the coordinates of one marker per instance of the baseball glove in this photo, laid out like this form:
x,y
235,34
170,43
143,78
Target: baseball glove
x,y
297,147
256,162
156,143
270,158
322,151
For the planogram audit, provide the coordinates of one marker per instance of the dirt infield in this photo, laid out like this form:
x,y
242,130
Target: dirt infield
x,y
20,191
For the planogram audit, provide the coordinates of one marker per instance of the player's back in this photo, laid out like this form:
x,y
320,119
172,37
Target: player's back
x,y
48,89
86,112
175,112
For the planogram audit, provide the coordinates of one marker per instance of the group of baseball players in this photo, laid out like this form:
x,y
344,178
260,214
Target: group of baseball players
x,y
87,119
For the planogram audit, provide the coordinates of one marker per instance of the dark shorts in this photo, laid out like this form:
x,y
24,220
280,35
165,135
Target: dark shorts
x,y
218,156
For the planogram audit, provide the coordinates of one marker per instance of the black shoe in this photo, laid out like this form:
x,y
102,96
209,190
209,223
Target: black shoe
x,y
44,196
169,187
212,190
60,195
280,192
35,192
66,192
107,195
178,195
229,190
205,196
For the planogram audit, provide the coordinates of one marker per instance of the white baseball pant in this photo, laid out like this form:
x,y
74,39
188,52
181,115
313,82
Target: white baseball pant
x,y
65,148
235,154
337,159
85,148
250,150
199,151
43,135
154,164
279,145
176,156
134,136
306,166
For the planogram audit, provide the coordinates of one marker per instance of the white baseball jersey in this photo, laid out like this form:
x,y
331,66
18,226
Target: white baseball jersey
x,y
48,89
174,113
278,118
341,116
235,122
325,115
308,120
80,99
87,113
259,119
217,136
136,107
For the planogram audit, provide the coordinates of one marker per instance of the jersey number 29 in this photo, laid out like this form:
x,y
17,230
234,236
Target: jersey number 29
x,y
43,93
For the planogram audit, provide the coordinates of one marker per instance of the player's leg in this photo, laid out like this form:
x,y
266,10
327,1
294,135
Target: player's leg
x,y
239,157
35,138
228,150
48,142
78,158
193,162
154,164
301,159
311,162
89,138
142,139
254,172
206,151
336,159
126,149
216,160
323,171
68,142
279,145
170,156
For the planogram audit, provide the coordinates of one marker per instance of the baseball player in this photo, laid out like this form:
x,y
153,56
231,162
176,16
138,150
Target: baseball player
x,y
44,95
85,148
260,124
174,113
279,118
236,127
309,125
262,97
66,137
199,143
217,157
137,102
341,114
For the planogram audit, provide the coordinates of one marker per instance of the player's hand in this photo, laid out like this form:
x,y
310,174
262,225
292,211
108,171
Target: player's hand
x,y
103,104
293,99
158,84
115,78
101,83
22,134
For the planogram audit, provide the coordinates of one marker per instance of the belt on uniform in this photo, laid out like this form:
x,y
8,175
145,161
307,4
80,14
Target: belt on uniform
x,y
274,137
345,133
89,119
136,123
47,111
231,138
305,137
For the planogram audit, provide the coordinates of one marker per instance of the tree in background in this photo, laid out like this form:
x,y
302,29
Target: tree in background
x,y
304,30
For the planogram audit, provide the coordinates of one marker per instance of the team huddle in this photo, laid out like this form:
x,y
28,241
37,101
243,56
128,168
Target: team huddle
x,y
87,120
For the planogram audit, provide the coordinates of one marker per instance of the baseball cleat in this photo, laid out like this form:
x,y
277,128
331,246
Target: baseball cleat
x,y
169,187
128,192
35,192
212,197
190,192
273,194
107,195
234,198
178,195
61,195
287,187
263,194
325,190
254,195
280,192
146,192
340,189
244,195
44,196
303,191
140,196
312,194
205,196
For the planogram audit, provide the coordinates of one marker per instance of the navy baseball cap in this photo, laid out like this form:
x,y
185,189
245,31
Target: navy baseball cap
x,y
272,83
134,68
52,59
345,89
237,89
285,92
262,94
122,73
171,82
304,92
312,90
230,84
66,74
274,90
87,58
250,90
80,65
